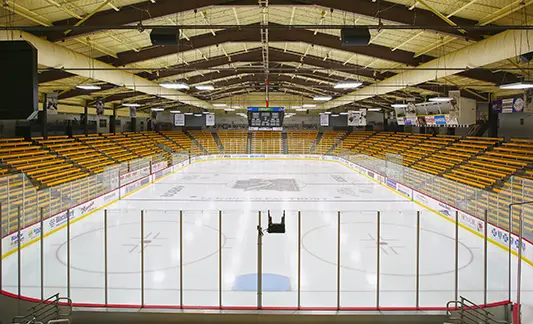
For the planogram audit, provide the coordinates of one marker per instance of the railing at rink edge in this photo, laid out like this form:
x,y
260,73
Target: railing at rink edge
x,y
424,189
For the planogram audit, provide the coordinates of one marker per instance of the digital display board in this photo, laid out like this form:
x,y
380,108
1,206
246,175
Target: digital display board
x,y
262,118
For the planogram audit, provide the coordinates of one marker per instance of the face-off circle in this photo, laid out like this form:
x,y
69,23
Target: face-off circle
x,y
397,245
161,247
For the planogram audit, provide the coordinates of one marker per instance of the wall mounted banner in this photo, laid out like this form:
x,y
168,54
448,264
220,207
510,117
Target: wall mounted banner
x,y
210,120
357,118
99,107
324,120
179,119
50,103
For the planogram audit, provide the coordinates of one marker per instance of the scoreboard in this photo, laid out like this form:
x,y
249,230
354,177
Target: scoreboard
x,y
261,118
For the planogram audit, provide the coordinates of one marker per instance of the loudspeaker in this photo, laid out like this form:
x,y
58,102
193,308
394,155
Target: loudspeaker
x,y
19,86
355,37
165,37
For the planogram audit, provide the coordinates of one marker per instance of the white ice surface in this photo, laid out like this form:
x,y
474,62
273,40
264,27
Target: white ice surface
x,y
240,189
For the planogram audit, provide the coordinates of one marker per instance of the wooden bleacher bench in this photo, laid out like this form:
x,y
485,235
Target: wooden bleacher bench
x,y
504,161
494,166
469,182
495,174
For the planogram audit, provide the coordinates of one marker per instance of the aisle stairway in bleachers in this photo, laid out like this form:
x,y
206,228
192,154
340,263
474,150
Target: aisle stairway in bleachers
x,y
108,147
353,139
327,141
217,141
163,142
43,166
181,139
233,141
78,152
205,140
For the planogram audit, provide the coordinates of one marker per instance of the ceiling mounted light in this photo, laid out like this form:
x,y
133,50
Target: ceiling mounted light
x,y
517,85
344,113
205,87
440,99
335,115
235,107
348,85
89,87
327,112
174,85
301,109
219,105
175,112
399,105
158,109
206,112
198,115
309,105
188,113
229,109
322,98
135,105
296,107
374,109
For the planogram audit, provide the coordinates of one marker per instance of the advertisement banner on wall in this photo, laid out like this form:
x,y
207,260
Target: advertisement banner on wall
x,y
430,120
440,120
210,120
179,119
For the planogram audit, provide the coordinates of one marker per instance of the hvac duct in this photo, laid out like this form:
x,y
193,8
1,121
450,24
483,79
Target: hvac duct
x,y
497,48
52,55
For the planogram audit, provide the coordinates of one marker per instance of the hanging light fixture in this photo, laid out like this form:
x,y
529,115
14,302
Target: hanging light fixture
x,y
175,85
89,87
348,85
322,98
518,85
440,99
399,105
205,87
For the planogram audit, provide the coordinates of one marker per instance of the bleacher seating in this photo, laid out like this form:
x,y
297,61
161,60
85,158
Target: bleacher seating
x,y
353,139
327,141
183,140
265,142
300,142
205,139
40,164
107,147
78,152
233,141
474,172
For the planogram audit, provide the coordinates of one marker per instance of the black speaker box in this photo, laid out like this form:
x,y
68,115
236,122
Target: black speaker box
x,y
19,85
164,37
355,37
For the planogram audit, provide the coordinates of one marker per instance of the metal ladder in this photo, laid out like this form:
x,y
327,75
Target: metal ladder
x,y
53,310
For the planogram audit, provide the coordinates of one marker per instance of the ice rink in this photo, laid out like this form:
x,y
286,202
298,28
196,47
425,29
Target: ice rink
x,y
240,189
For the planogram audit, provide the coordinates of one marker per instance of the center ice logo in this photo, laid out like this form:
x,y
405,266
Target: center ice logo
x,y
266,184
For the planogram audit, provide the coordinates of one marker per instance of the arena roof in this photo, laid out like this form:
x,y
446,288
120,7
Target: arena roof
x,y
221,43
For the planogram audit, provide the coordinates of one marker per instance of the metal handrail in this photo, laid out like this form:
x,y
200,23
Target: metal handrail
x,y
471,312
46,311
